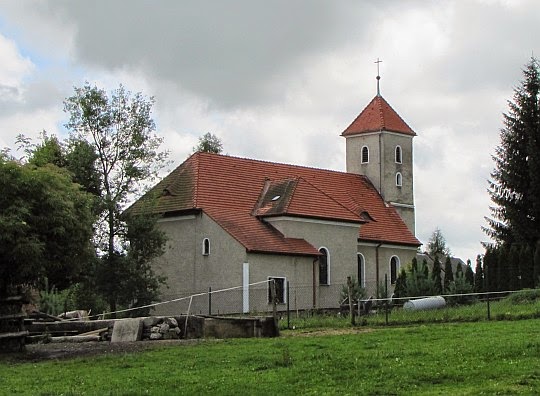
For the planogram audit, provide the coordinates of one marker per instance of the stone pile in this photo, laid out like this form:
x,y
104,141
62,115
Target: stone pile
x,y
155,328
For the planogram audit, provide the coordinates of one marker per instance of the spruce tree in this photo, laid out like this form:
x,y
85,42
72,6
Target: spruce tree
x,y
513,268
526,265
436,275
502,257
469,274
478,276
536,272
514,187
448,273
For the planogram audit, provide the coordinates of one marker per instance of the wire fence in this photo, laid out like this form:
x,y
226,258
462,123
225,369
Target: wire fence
x,y
298,305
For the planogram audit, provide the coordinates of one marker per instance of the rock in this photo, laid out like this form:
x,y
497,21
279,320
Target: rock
x,y
151,321
163,328
156,336
171,322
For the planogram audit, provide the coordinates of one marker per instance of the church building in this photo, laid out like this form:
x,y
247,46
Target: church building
x,y
234,223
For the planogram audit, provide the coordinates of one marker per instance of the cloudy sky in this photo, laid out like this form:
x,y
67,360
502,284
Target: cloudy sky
x,y
280,80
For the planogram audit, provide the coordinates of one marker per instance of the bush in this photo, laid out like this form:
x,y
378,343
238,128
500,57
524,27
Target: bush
x,y
524,296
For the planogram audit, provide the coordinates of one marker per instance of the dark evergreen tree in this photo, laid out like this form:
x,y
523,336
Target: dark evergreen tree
x,y
536,271
469,274
514,187
502,257
513,268
478,276
436,275
448,273
437,245
526,266
400,290
459,270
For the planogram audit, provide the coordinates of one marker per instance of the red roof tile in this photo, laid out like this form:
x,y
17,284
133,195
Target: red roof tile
x,y
377,116
237,194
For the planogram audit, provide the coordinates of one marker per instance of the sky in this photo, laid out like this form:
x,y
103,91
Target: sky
x,y
281,80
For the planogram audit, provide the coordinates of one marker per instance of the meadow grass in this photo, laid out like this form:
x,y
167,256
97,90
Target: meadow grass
x,y
498,357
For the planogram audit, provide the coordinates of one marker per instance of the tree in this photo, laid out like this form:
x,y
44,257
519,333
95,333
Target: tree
x,y
526,267
448,273
469,274
536,270
436,275
478,275
121,132
513,268
45,226
437,245
209,143
514,187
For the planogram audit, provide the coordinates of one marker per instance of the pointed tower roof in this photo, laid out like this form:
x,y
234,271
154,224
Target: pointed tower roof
x,y
378,116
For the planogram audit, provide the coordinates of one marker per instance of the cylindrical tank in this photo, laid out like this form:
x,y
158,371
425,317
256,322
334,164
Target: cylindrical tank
x,y
423,304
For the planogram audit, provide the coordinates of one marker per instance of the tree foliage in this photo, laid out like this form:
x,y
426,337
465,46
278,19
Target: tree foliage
x,y
437,245
119,131
209,143
45,225
514,187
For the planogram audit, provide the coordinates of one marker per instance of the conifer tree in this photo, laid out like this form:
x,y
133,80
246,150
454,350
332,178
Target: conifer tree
x,y
448,274
514,187
526,265
513,268
478,275
502,257
536,272
469,274
436,275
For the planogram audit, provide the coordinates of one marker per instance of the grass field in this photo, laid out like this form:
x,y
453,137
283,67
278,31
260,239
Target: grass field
x,y
455,359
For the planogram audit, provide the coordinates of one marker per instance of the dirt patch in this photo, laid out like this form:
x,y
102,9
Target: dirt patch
x,y
325,332
58,351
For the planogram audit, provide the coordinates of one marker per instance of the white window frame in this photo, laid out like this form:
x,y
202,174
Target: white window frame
x,y
398,266
398,147
327,266
363,278
205,250
362,155
284,295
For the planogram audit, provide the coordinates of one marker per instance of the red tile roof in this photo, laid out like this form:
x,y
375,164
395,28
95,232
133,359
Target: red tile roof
x,y
377,116
238,193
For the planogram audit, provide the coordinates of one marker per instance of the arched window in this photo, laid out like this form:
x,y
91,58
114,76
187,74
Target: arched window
x,y
206,247
398,155
399,179
365,154
324,267
361,270
394,269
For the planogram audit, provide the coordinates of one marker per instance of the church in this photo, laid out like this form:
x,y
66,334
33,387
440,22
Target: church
x,y
235,223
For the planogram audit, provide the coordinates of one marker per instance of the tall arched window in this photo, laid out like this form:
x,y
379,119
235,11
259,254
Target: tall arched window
x,y
361,270
324,267
206,247
365,154
398,155
399,179
394,269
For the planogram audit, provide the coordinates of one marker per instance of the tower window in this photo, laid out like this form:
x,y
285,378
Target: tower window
x,y
324,267
398,155
365,154
394,269
399,179
206,247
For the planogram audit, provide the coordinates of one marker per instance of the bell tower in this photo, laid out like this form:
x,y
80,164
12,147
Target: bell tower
x,y
379,145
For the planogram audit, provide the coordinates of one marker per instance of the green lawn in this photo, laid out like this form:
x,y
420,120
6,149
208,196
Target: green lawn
x,y
456,359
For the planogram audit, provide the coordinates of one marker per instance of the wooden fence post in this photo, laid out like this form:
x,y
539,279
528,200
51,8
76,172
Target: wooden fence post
x,y
351,304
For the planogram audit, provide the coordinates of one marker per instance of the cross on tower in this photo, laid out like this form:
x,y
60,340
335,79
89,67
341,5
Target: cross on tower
x,y
378,61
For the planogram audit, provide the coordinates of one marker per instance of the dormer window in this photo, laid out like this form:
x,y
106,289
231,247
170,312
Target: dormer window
x,y
206,247
399,180
365,154
398,155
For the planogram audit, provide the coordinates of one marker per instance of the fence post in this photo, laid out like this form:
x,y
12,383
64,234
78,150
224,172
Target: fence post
x,y
349,291
274,301
386,298
288,306
210,301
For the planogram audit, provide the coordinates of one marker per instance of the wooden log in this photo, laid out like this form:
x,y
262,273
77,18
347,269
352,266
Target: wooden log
x,y
77,338
95,332
15,334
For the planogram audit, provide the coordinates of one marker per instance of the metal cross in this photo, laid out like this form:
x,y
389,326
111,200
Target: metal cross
x,y
378,61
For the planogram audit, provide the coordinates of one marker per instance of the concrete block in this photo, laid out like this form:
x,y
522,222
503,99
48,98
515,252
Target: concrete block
x,y
127,330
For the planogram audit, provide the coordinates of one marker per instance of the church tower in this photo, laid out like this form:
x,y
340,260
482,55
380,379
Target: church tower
x,y
379,145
